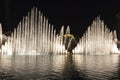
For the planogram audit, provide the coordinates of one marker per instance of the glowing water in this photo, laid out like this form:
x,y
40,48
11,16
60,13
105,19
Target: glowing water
x,y
34,36
58,46
98,39
0,35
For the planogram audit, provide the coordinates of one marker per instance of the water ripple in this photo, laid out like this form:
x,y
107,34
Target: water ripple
x,y
60,67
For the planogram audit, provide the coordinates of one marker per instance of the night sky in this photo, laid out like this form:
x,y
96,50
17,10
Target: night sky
x,y
78,15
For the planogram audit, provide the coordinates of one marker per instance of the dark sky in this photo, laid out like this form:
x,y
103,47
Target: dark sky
x,y
78,15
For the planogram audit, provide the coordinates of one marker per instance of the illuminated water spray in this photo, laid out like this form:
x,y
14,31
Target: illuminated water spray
x,y
98,39
34,35
0,35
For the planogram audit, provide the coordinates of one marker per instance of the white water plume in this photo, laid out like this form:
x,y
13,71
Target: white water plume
x,y
98,39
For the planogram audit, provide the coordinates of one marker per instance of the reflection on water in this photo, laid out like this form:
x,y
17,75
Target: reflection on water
x,y
98,67
60,67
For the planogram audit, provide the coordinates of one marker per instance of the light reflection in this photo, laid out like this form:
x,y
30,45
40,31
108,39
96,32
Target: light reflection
x,y
97,66
60,66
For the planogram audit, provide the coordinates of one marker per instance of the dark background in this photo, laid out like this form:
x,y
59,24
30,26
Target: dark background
x,y
77,14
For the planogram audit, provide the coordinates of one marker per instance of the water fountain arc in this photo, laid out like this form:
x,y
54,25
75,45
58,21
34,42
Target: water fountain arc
x,y
34,35
98,39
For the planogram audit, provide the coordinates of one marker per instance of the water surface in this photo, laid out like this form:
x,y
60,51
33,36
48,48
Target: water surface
x,y
60,67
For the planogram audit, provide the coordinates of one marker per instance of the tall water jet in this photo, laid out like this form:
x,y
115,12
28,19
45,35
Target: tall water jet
x,y
34,35
65,42
0,35
98,39
69,41
59,47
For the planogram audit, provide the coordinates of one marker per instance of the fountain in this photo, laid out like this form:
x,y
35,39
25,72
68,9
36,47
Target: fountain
x,y
34,36
98,39
0,35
